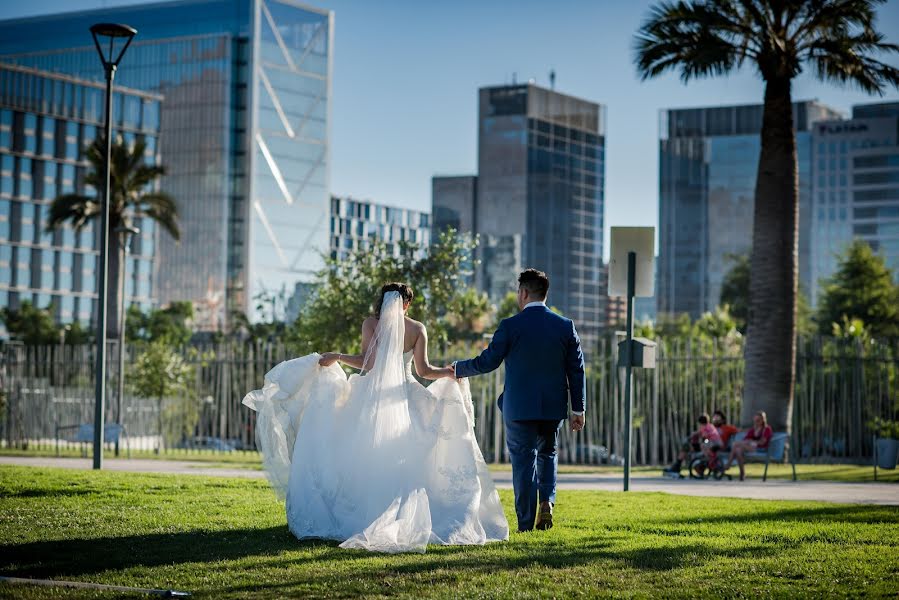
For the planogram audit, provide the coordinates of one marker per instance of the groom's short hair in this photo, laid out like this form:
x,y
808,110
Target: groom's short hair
x,y
535,282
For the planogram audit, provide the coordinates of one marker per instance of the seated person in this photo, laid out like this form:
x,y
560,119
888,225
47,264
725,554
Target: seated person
x,y
725,429
757,438
692,443
710,439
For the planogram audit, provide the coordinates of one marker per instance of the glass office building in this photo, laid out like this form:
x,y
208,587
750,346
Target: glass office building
x,y
541,157
856,187
243,133
708,164
356,223
47,121
453,202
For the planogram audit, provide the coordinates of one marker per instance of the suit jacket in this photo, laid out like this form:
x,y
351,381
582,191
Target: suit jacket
x,y
544,365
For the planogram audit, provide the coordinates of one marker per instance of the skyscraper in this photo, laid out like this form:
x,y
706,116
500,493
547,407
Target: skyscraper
x,y
357,223
243,132
708,163
453,202
537,200
856,187
47,121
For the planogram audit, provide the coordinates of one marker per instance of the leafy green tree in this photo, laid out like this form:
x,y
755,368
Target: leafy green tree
x,y
162,373
130,179
735,289
838,40
170,324
718,324
735,296
35,326
508,307
272,308
468,315
862,289
346,291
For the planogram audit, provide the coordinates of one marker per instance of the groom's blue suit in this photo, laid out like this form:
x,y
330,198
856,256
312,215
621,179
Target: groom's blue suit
x,y
544,366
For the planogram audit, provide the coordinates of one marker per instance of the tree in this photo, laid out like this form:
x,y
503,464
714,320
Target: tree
x,y
170,324
35,326
160,372
837,39
130,180
735,296
862,289
468,315
508,307
735,289
272,307
347,289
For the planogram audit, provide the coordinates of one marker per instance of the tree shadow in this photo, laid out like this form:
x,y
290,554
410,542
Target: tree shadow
x,y
446,566
47,493
87,556
851,513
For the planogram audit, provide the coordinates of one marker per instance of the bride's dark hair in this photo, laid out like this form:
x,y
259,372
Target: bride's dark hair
x,y
404,290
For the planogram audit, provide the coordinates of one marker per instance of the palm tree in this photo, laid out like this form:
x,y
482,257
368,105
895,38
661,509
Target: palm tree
x,y
130,198
838,41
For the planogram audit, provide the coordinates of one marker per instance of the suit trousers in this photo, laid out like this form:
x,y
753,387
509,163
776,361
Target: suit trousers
x,y
532,447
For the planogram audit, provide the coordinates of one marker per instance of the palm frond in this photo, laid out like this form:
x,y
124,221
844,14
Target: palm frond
x,y
72,208
700,39
824,17
848,61
161,207
144,174
840,42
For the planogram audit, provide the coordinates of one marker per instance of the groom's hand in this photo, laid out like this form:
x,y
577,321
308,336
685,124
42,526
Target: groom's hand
x,y
576,422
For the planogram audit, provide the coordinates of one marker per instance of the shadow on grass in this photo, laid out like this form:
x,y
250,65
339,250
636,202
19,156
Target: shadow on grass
x,y
47,493
88,556
446,566
851,513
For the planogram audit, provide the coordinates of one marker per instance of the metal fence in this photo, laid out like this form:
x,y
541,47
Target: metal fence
x,y
47,400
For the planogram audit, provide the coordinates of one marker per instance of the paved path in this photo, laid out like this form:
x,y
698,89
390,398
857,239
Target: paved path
x,y
775,489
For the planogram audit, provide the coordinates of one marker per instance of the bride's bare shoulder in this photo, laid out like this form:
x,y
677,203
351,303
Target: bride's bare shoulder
x,y
415,325
370,323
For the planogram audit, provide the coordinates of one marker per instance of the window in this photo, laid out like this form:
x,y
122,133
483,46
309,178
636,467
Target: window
x,y
6,172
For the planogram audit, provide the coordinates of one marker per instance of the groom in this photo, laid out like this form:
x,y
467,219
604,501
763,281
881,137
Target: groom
x,y
544,365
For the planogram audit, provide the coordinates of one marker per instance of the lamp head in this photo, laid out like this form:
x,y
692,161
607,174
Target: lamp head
x,y
112,32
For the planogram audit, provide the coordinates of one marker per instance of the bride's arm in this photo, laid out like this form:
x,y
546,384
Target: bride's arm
x,y
420,353
354,360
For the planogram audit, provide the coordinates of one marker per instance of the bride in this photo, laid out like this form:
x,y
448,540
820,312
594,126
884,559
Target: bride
x,y
377,461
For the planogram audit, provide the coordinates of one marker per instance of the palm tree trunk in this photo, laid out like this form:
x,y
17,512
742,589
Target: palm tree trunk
x,y
116,275
770,349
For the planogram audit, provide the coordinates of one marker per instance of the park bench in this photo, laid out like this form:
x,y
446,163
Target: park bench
x,y
776,452
84,434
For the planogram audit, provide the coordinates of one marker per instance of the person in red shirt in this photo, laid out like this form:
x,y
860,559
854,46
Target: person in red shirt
x,y
757,438
725,429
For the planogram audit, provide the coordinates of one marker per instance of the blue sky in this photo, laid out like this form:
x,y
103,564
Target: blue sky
x,y
406,74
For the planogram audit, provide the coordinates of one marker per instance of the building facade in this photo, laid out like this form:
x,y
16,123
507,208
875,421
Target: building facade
x,y
47,121
454,202
540,199
355,224
243,129
856,187
708,163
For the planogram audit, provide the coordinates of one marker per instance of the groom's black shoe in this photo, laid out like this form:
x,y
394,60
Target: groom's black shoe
x,y
545,516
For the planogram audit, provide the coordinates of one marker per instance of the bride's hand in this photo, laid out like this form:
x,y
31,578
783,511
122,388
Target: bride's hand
x,y
328,359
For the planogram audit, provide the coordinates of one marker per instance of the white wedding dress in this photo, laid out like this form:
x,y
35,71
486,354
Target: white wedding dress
x,y
376,461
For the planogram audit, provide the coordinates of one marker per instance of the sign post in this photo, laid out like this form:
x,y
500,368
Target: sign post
x,y
631,273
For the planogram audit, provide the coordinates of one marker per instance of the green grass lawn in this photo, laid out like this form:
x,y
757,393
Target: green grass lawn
x,y
250,460
227,538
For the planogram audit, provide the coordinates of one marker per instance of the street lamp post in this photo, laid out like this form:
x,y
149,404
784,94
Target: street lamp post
x,y
125,234
122,33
